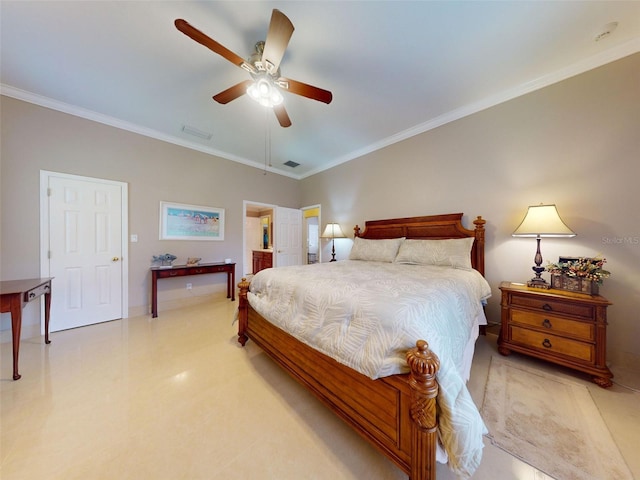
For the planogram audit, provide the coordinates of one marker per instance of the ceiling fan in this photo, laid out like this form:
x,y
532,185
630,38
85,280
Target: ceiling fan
x,y
263,66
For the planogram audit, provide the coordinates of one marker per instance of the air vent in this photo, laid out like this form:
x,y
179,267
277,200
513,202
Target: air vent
x,y
606,31
291,164
196,133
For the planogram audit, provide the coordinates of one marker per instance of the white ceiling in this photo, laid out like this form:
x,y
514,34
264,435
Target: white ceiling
x,y
395,68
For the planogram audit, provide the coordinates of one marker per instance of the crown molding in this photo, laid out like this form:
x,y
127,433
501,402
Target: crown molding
x,y
595,61
42,101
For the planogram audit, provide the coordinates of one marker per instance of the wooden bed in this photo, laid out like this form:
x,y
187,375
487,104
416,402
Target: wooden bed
x,y
397,414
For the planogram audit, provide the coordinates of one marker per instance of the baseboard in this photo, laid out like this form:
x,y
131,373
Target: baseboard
x,y
625,360
26,331
32,330
175,303
492,329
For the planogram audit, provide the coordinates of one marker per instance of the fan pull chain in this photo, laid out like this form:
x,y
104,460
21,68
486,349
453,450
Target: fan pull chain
x,y
267,141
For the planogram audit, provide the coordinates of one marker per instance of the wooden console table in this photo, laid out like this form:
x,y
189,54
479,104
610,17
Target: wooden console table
x,y
184,271
15,294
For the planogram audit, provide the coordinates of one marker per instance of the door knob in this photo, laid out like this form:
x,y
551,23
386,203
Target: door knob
x,y
115,259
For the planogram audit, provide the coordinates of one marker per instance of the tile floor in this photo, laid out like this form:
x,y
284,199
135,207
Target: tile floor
x,y
176,398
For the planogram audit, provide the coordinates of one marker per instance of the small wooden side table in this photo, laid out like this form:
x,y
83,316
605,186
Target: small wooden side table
x,y
566,328
14,295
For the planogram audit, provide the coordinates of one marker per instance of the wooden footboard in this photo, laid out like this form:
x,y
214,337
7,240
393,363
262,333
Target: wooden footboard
x,y
396,414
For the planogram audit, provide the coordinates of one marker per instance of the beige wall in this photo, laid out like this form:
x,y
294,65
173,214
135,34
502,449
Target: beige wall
x,y
36,138
576,144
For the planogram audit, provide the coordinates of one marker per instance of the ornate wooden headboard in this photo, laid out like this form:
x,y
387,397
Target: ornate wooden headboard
x,y
429,227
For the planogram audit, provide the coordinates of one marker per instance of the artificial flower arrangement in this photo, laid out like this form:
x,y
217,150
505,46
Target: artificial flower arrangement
x,y
581,268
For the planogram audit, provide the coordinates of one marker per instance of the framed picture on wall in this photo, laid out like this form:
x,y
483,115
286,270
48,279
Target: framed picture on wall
x,y
190,222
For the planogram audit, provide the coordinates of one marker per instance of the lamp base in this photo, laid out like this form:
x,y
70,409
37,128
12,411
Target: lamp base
x,y
333,251
538,282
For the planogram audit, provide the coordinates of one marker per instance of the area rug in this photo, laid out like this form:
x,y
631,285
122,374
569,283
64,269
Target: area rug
x,y
549,422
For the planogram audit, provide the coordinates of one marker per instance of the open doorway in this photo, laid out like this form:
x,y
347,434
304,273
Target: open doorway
x,y
311,233
260,231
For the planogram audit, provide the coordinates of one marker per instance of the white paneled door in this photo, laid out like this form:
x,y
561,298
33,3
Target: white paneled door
x,y
288,237
85,253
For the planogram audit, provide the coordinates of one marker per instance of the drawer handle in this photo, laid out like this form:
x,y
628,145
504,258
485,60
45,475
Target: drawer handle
x,y
546,343
546,323
199,270
547,307
173,274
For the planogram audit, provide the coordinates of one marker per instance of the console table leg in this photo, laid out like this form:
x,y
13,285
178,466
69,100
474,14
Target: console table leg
x,y
47,311
16,327
232,285
154,294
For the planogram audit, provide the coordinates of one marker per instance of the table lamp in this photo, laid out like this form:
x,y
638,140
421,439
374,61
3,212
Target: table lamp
x,y
333,231
541,221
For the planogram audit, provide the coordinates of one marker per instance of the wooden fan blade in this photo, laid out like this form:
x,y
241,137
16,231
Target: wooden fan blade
x,y
232,93
278,36
210,43
282,115
308,91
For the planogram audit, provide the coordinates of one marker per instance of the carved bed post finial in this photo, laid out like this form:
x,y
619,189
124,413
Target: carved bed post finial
x,y
424,365
356,231
243,311
479,223
479,250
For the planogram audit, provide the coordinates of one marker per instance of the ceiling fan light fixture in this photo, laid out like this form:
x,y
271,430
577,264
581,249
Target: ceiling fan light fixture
x,y
276,97
265,92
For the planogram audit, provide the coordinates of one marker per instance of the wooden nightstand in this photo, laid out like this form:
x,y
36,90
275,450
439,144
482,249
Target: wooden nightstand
x,y
563,327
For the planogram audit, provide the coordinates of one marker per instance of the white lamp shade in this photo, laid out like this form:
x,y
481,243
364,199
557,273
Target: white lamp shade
x,y
333,230
543,221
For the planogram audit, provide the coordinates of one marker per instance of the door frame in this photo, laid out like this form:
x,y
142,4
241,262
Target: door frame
x,y
44,230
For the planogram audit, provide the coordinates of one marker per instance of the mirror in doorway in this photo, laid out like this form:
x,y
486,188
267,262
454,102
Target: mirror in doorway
x,y
265,225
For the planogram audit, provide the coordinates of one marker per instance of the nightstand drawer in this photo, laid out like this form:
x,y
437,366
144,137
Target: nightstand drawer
x,y
555,325
553,306
553,344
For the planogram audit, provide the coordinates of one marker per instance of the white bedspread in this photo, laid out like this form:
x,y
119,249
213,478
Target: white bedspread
x,y
366,315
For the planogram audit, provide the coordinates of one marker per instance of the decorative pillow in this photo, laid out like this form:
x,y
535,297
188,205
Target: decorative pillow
x,y
454,252
384,250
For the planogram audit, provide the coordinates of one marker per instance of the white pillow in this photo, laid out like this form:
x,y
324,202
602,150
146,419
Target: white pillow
x,y
454,252
383,250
